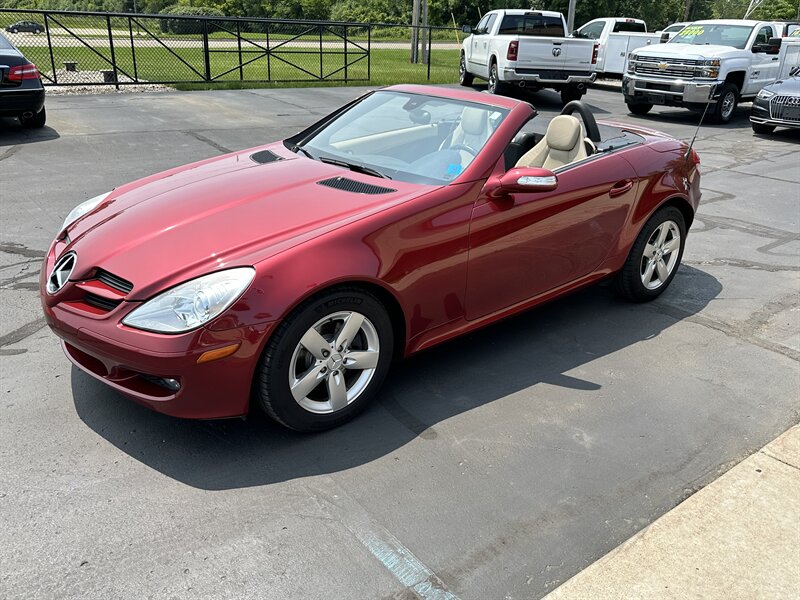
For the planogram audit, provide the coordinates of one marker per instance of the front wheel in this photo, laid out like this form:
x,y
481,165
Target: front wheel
x,y
326,361
726,104
654,257
761,128
639,108
465,78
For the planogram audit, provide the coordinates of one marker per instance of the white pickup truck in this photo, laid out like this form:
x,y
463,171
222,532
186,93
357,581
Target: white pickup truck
x,y
530,49
616,37
731,59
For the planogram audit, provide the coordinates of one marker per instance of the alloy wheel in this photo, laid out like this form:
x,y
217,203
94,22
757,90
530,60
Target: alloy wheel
x,y
660,255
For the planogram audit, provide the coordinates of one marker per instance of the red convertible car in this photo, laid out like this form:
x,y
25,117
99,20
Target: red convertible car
x,y
287,277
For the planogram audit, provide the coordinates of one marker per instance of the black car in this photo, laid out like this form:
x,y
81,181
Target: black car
x,y
28,26
21,89
777,105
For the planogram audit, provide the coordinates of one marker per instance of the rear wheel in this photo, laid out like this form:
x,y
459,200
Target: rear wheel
x,y
36,121
465,78
495,85
761,128
326,361
569,94
654,257
639,108
15,30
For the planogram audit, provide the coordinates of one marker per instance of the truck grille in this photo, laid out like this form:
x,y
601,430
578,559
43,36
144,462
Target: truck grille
x,y
785,108
685,68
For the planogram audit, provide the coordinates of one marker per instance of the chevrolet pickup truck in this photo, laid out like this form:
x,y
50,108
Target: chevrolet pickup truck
x,y
617,37
730,60
530,49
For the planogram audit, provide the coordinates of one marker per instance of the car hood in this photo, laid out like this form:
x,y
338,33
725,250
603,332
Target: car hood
x,y
790,85
691,51
220,213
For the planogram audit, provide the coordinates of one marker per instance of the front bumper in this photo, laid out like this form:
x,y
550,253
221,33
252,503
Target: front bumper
x,y
16,101
667,92
136,362
760,113
548,78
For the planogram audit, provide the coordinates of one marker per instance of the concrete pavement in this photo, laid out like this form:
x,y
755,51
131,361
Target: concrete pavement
x,y
737,538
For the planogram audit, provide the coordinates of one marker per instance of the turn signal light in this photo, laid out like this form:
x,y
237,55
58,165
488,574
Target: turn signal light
x,y
513,49
595,53
21,72
217,354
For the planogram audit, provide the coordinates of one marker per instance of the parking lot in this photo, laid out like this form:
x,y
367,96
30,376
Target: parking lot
x,y
493,467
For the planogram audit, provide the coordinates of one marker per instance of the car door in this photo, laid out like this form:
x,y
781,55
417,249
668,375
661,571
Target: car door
x,y
525,245
765,67
480,49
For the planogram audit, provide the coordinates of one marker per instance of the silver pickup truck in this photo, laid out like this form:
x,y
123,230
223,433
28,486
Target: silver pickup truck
x,y
529,49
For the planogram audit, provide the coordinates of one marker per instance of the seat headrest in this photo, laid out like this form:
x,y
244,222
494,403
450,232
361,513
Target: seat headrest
x,y
563,132
473,120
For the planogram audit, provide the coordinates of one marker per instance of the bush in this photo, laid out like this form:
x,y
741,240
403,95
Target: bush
x,y
187,25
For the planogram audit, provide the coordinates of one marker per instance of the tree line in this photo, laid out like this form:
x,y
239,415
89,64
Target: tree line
x,y
657,13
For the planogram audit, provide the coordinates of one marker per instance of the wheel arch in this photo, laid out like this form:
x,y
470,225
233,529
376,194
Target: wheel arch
x,y
736,78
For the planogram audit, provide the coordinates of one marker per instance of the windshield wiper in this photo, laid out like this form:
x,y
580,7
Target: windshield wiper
x,y
354,167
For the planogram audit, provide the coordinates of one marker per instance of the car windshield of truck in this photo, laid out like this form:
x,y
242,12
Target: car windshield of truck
x,y
537,25
714,35
629,27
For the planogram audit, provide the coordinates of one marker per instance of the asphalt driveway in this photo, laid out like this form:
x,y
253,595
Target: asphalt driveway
x,y
493,467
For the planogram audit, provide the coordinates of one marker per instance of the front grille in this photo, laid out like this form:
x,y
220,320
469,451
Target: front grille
x,y
685,68
111,280
785,108
102,303
357,187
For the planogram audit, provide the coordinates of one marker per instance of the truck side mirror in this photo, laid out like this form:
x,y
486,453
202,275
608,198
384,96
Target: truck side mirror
x,y
664,38
774,46
467,29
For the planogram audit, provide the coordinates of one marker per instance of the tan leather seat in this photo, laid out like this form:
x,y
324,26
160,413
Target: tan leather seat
x,y
562,144
472,130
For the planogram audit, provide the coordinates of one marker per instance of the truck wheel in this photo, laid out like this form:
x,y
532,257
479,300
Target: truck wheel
x,y
639,109
760,128
495,85
568,94
465,78
726,105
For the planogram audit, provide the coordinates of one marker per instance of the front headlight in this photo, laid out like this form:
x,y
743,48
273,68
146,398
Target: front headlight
x,y
631,58
82,209
765,94
189,305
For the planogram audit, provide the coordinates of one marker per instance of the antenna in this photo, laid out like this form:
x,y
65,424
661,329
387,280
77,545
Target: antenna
x,y
712,89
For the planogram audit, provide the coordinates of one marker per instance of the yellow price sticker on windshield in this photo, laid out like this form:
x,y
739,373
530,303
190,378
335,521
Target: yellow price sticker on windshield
x,y
692,31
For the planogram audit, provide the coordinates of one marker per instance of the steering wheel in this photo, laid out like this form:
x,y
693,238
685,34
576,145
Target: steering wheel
x,y
465,148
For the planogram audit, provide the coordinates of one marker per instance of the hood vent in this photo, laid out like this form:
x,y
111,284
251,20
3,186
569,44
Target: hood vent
x,y
264,157
357,187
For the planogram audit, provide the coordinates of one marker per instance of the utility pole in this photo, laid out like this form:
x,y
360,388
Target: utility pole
x,y
571,16
425,32
415,32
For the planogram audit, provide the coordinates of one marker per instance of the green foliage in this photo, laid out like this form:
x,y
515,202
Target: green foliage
x,y
187,25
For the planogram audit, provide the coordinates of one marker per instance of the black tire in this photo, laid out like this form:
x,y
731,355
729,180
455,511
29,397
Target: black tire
x,y
36,121
465,78
15,30
629,281
639,108
569,94
726,105
495,85
761,128
271,385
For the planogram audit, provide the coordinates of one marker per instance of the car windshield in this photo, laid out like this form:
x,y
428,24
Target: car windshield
x,y
718,35
408,137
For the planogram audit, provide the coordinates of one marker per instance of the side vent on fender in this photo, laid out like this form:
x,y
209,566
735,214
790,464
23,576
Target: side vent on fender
x,y
356,187
265,156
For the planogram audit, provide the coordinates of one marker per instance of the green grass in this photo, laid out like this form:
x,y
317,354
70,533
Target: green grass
x,y
388,66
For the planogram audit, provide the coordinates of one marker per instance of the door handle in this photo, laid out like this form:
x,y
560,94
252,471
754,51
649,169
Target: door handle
x,y
620,188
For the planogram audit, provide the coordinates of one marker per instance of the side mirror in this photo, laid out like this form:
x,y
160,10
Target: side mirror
x,y
760,48
774,46
664,38
467,29
521,180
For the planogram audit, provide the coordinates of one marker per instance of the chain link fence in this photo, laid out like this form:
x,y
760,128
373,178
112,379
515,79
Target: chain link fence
x,y
81,48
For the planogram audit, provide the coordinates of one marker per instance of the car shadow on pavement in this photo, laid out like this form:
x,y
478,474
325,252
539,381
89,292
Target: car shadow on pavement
x,y
541,346
14,134
684,116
